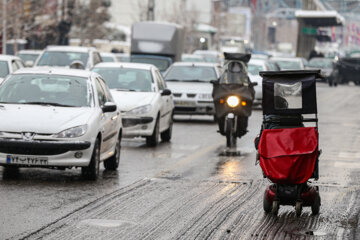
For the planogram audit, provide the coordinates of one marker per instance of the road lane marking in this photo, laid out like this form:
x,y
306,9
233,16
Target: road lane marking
x,y
347,164
352,155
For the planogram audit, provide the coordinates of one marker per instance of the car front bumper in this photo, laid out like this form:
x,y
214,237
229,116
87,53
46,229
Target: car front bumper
x,y
37,153
194,107
138,126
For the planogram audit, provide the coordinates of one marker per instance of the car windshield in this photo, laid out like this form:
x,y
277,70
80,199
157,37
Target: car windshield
x,y
4,69
107,59
161,64
288,65
130,79
62,59
320,63
255,69
191,73
192,59
28,57
46,89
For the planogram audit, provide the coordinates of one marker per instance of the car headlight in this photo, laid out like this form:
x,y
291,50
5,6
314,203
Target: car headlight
x,y
140,110
205,96
73,132
233,101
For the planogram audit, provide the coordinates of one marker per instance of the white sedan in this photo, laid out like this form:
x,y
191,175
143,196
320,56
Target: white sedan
x,y
143,99
191,86
9,64
58,118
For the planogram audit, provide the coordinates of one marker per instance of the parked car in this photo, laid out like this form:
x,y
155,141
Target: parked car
x,y
326,65
254,67
9,64
65,56
59,118
289,63
29,56
108,57
191,87
143,99
192,58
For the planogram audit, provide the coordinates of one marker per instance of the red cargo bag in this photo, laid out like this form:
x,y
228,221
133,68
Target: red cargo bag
x,y
288,156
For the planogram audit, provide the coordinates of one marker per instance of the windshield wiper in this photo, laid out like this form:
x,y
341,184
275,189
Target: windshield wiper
x,y
173,80
125,90
48,104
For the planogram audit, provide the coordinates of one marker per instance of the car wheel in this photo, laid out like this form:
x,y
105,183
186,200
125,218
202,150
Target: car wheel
x,y
91,172
153,140
112,163
166,135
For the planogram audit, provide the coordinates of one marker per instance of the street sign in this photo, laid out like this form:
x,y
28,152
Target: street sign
x,y
309,31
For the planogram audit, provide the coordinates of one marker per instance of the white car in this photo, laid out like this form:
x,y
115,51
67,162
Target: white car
x,y
191,87
289,63
29,56
65,56
143,99
254,67
108,57
9,64
58,118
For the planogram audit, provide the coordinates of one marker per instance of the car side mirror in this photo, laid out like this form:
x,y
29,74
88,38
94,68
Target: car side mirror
x,y
254,84
166,92
109,107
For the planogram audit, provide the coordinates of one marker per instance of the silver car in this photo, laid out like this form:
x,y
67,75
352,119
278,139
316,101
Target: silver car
x,y
191,87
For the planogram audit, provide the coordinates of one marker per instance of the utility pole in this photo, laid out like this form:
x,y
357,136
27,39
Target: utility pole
x,y
150,10
4,27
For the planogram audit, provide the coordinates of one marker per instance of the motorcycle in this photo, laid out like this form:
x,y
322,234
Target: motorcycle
x,y
233,97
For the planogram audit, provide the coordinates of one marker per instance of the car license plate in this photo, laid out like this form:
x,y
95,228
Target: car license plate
x,y
184,104
26,160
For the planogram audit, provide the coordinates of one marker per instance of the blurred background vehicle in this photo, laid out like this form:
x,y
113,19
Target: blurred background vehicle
x,y
348,68
141,94
326,65
108,57
123,57
209,56
64,56
9,64
191,87
191,58
157,43
289,63
29,56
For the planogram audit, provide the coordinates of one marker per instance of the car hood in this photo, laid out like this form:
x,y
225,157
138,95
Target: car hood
x,y
127,101
41,119
190,87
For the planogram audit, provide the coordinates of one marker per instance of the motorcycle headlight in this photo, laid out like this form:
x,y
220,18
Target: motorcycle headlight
x,y
73,132
140,110
233,101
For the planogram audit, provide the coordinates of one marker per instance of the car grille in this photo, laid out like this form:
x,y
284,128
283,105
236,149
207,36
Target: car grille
x,y
185,109
177,94
191,95
31,151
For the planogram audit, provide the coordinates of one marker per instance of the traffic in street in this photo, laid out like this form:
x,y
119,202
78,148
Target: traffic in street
x,y
187,188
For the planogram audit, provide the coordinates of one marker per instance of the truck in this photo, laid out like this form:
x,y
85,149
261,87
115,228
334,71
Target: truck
x,y
157,43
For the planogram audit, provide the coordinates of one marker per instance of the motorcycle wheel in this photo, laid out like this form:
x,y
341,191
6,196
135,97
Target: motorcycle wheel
x,y
230,133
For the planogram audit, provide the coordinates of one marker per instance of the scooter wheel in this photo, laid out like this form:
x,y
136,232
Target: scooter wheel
x,y
267,205
298,208
315,207
275,207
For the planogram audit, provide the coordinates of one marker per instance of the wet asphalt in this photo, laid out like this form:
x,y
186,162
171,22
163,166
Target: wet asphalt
x,y
188,189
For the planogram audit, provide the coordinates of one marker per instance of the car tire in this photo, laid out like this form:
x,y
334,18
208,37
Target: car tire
x,y
91,172
166,135
112,163
153,140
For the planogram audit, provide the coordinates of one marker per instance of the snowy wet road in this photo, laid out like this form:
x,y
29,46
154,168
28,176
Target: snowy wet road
x,y
186,189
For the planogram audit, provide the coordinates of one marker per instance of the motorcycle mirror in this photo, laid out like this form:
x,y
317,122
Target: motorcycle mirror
x,y
254,84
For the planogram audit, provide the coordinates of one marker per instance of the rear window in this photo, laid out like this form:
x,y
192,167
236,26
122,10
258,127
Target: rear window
x,y
4,69
191,73
62,59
